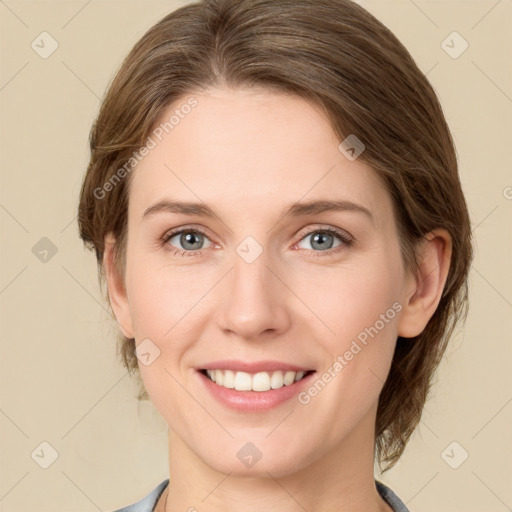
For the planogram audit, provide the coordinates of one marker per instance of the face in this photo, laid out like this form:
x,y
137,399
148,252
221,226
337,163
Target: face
x,y
260,286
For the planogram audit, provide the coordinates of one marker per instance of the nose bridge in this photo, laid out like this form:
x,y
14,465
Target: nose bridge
x,y
250,272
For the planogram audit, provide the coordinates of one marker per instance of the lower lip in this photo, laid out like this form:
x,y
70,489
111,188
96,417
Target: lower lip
x,y
254,400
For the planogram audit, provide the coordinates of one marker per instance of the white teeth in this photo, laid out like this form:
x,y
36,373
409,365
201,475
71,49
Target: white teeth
x,y
261,381
289,377
276,381
229,379
242,381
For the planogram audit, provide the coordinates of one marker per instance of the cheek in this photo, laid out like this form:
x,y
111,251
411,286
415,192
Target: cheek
x,y
167,308
353,298
162,297
361,308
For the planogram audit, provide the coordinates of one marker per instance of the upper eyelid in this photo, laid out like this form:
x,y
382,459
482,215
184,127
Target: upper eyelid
x,y
171,233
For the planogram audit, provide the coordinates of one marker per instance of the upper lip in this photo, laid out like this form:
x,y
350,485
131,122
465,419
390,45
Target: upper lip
x,y
252,367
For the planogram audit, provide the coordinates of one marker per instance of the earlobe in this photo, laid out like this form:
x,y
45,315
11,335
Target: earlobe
x,y
420,300
116,289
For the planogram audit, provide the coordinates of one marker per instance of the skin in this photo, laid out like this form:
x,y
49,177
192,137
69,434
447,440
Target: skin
x,y
248,153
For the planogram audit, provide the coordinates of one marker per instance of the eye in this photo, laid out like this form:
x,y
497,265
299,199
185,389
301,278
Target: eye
x,y
323,240
190,241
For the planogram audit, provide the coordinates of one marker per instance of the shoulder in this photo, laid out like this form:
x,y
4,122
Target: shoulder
x,y
390,497
147,503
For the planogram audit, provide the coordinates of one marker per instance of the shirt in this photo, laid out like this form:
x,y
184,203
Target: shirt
x,y
148,503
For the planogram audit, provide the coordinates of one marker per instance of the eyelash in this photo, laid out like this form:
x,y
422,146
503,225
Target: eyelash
x,y
347,242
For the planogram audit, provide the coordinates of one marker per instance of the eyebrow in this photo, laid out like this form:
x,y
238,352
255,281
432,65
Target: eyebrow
x,y
294,209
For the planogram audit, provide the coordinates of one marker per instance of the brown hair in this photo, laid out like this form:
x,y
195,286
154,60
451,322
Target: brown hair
x,y
332,52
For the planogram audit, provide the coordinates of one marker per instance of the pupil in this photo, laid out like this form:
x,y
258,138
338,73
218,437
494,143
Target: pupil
x,y
321,236
189,239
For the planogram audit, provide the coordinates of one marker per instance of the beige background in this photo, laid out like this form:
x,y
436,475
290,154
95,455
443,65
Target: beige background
x,y
60,380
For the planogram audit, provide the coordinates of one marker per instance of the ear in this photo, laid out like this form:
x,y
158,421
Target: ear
x,y
423,291
116,288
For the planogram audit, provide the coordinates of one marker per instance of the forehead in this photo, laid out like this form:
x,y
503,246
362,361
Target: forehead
x,y
251,150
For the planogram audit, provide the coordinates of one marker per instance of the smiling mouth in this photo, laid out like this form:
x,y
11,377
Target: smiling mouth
x,y
261,381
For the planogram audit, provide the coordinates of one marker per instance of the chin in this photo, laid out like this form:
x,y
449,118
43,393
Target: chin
x,y
246,460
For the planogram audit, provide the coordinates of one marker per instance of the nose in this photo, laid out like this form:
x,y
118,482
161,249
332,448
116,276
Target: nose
x,y
256,300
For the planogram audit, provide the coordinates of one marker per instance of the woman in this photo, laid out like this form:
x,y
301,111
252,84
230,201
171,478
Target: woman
x,y
236,141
